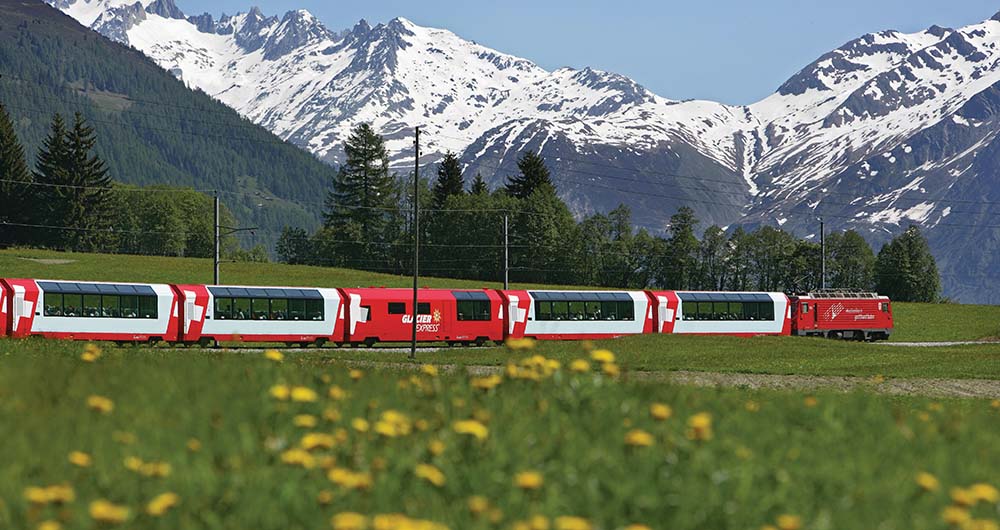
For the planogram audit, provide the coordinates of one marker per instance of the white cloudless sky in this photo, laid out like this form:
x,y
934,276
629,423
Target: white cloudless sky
x,y
732,51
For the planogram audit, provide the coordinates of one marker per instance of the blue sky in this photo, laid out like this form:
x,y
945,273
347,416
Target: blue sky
x,y
731,51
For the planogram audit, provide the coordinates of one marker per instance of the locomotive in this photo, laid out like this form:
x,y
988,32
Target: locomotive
x,y
201,314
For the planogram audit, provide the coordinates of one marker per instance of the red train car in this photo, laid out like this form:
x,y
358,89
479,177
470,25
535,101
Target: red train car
x,y
573,315
842,315
120,312
742,314
452,316
293,315
4,310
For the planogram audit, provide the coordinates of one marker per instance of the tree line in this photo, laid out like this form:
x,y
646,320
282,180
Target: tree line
x,y
69,201
367,225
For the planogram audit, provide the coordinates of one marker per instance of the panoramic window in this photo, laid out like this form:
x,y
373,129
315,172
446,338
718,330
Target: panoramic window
x,y
727,306
64,299
583,306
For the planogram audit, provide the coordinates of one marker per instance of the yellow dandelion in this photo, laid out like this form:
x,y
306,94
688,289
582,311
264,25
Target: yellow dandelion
x,y
100,404
317,440
49,525
751,406
788,522
324,497
349,521
637,526
927,482
36,495
660,411
638,438
298,457
429,369
486,383
962,497
336,393
984,492
955,515
162,503
356,374
611,369
568,522
274,355
133,463
349,479
303,394
602,356
436,447
478,504
80,459
538,522
60,493
91,352
579,366
280,392
995,403
472,428
360,424
156,469
430,474
331,414
104,511
421,425
522,344
304,420
700,427
193,445
495,515
529,480
810,401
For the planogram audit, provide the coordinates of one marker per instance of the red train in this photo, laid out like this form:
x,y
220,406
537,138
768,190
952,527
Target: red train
x,y
200,314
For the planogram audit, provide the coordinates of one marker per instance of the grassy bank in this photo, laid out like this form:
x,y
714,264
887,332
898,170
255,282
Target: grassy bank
x,y
237,456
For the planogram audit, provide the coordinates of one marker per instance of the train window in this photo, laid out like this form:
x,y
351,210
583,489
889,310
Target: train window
x,y
53,304
599,309
91,305
314,309
805,307
279,309
241,309
223,308
297,309
147,306
129,305
626,311
884,307
477,310
718,310
765,310
543,311
423,308
560,310
109,306
260,308
397,308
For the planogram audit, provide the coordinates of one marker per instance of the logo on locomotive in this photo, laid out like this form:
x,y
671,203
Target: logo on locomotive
x,y
425,323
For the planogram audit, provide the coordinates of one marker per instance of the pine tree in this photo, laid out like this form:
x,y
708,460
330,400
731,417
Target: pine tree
x,y
51,171
534,176
75,202
479,186
15,194
906,271
361,209
449,181
679,264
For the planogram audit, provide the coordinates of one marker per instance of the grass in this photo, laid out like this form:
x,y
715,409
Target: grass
x,y
914,322
833,460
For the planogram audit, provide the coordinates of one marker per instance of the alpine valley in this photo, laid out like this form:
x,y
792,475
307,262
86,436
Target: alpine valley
x,y
888,130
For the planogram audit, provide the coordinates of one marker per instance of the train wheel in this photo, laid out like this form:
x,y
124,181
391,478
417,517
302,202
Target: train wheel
x,y
370,341
480,341
322,342
204,342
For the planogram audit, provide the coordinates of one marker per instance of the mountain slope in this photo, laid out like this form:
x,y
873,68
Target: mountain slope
x,y
889,129
151,128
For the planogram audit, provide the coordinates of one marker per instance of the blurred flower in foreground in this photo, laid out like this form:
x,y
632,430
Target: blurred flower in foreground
x,y
100,404
274,355
529,480
104,511
161,503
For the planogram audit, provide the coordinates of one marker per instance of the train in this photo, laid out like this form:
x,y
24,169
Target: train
x,y
189,314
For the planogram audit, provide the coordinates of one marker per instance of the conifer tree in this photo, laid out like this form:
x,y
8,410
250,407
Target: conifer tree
x,y
679,265
361,209
15,194
906,271
479,186
76,201
449,181
534,176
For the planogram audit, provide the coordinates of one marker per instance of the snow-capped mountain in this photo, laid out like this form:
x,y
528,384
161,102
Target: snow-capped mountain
x,y
886,130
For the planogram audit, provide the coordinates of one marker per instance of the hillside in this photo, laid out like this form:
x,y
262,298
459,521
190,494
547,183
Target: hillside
x,y
886,130
152,128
